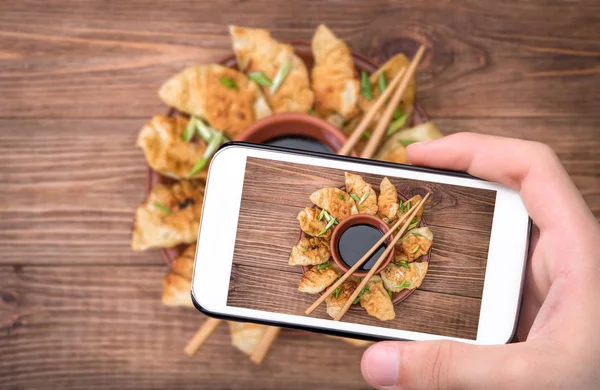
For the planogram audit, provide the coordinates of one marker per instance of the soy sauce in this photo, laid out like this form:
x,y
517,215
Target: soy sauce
x,y
356,241
299,142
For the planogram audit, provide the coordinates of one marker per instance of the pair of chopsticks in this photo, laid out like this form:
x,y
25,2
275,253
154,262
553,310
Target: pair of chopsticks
x,y
406,218
397,86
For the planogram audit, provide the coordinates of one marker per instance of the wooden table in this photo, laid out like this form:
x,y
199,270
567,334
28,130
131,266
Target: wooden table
x,y
78,79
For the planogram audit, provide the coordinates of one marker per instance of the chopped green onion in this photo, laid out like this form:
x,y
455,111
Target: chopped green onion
x,y
312,112
390,294
321,215
401,207
408,206
365,86
331,222
204,131
280,76
406,142
403,264
355,197
382,82
229,83
367,134
190,129
260,78
322,266
404,284
413,225
305,249
337,291
162,208
327,216
417,234
397,113
200,164
364,290
363,198
341,196
216,141
397,125
415,249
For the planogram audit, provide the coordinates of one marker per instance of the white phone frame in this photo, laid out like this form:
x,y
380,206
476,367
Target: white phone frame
x,y
210,286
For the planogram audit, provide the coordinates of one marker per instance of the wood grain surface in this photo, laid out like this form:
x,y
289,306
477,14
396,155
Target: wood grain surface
x,y
79,78
448,301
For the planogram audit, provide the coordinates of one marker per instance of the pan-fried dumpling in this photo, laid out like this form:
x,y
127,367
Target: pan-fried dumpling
x,y
394,150
387,201
338,203
357,186
406,207
310,251
176,291
166,151
414,244
245,336
333,76
403,275
184,264
376,300
169,216
310,224
224,97
338,299
257,51
318,278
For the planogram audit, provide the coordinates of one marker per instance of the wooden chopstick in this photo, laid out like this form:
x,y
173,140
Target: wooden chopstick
x,y
382,125
260,351
201,335
360,262
381,259
366,120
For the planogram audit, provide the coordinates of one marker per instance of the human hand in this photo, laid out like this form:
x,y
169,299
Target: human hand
x,y
560,311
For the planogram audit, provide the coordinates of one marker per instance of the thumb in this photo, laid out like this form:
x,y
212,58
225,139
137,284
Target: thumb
x,y
444,365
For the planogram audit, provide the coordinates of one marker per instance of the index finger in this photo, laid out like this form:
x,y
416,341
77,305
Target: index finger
x,y
531,168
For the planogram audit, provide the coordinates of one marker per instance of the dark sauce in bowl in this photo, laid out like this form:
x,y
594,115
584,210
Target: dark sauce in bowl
x,y
299,142
356,241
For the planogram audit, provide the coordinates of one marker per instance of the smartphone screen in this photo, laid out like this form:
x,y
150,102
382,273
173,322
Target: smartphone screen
x,y
284,245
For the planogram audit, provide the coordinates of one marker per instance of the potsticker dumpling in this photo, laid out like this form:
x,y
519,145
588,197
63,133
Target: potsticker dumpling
x,y
376,300
414,244
169,216
394,149
310,224
165,149
224,97
357,186
333,76
406,207
400,276
338,299
310,251
184,264
318,278
245,336
176,291
257,51
338,203
387,201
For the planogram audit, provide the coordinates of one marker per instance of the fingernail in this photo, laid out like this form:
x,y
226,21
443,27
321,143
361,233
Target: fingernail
x,y
382,365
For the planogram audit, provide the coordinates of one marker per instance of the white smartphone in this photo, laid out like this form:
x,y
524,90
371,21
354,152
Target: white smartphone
x,y
469,289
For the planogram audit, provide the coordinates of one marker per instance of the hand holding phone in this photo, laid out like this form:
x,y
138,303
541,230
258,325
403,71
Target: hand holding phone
x,y
560,346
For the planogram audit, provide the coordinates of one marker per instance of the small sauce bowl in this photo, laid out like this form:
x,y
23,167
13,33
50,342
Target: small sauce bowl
x,y
354,220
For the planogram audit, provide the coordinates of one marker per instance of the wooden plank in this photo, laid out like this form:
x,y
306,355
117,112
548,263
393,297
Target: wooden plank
x,y
483,62
104,327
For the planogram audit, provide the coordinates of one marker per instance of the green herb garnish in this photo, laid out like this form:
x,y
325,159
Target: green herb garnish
x,y
322,266
260,78
205,132
337,291
415,249
341,196
403,264
190,129
229,83
200,164
162,208
396,125
406,142
355,197
280,76
312,112
390,294
382,82
363,198
413,225
397,114
401,207
331,222
404,284
216,140
321,215
417,234
367,134
305,249
365,86
408,206
364,290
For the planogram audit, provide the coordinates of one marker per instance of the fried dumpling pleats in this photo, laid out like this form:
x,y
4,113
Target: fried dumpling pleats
x,y
166,151
394,150
224,97
387,201
310,251
406,207
245,336
184,264
178,283
367,203
338,203
403,275
333,76
414,244
376,300
169,216
257,51
318,278
310,224
339,297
